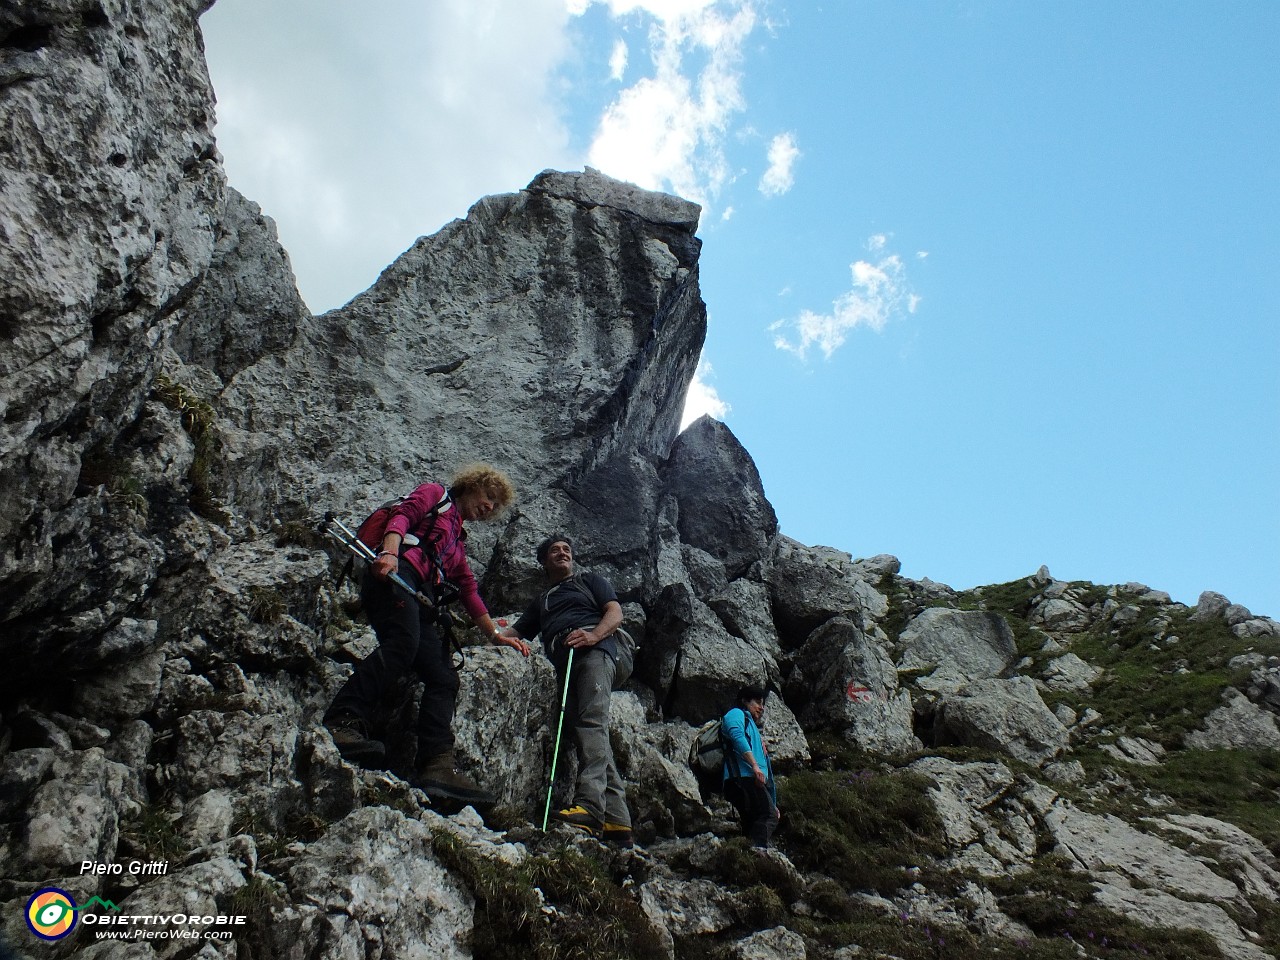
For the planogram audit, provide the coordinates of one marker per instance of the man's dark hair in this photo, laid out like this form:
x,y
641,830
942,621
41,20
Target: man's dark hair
x,y
747,694
545,546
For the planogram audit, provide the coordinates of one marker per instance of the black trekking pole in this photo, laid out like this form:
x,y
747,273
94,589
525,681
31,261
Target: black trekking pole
x,y
564,699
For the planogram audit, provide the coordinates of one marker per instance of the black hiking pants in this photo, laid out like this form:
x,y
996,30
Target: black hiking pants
x,y
754,806
408,646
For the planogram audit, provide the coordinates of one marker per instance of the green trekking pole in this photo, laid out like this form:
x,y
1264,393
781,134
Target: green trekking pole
x,y
555,755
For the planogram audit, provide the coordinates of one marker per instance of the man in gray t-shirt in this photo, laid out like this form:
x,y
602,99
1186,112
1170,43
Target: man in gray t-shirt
x,y
580,612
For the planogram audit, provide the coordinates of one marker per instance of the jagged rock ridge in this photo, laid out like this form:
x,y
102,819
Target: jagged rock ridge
x,y
175,422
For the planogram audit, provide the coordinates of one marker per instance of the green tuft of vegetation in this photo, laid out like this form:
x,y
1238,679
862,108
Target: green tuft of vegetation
x,y
274,837
198,419
299,533
861,827
154,833
100,468
737,864
257,897
266,605
581,913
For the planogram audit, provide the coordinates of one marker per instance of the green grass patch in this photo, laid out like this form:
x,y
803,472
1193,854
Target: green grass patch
x,y
154,833
1239,786
1012,598
582,914
266,605
1151,687
198,420
860,827
1161,690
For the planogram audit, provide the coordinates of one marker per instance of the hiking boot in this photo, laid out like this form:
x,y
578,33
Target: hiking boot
x,y
580,817
439,778
619,835
351,737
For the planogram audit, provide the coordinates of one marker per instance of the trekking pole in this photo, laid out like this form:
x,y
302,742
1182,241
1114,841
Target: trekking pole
x,y
347,537
555,755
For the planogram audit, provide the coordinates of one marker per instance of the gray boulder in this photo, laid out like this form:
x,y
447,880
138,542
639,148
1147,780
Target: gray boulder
x,y
1003,715
744,608
956,646
810,585
723,509
1059,613
1069,672
373,884
842,680
777,943
1239,724
505,722
74,808
1210,606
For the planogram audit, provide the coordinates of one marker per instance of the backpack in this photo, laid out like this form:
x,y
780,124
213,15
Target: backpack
x,y
374,527
707,756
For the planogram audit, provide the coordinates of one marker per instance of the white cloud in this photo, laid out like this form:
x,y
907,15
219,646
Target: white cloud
x,y
359,133
783,154
879,292
667,130
702,397
618,60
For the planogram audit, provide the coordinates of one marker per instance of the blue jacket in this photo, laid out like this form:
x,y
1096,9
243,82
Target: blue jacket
x,y
743,736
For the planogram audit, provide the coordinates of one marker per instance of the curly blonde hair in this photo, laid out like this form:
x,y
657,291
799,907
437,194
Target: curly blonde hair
x,y
490,480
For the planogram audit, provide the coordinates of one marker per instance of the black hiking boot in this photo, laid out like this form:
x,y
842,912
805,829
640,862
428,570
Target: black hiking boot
x,y
351,737
439,778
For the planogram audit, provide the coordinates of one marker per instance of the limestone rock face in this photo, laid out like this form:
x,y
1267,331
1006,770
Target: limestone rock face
x,y
112,184
1238,724
374,881
810,585
1005,715
552,332
247,306
846,682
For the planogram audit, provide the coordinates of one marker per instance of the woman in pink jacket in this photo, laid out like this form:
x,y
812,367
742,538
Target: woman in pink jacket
x,y
424,543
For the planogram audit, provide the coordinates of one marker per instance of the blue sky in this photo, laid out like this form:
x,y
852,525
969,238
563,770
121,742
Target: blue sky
x,y
990,284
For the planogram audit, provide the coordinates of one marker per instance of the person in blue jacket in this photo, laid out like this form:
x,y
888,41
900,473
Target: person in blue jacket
x,y
748,774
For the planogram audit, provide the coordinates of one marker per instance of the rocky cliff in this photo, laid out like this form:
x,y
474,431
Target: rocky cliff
x,y
1044,768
